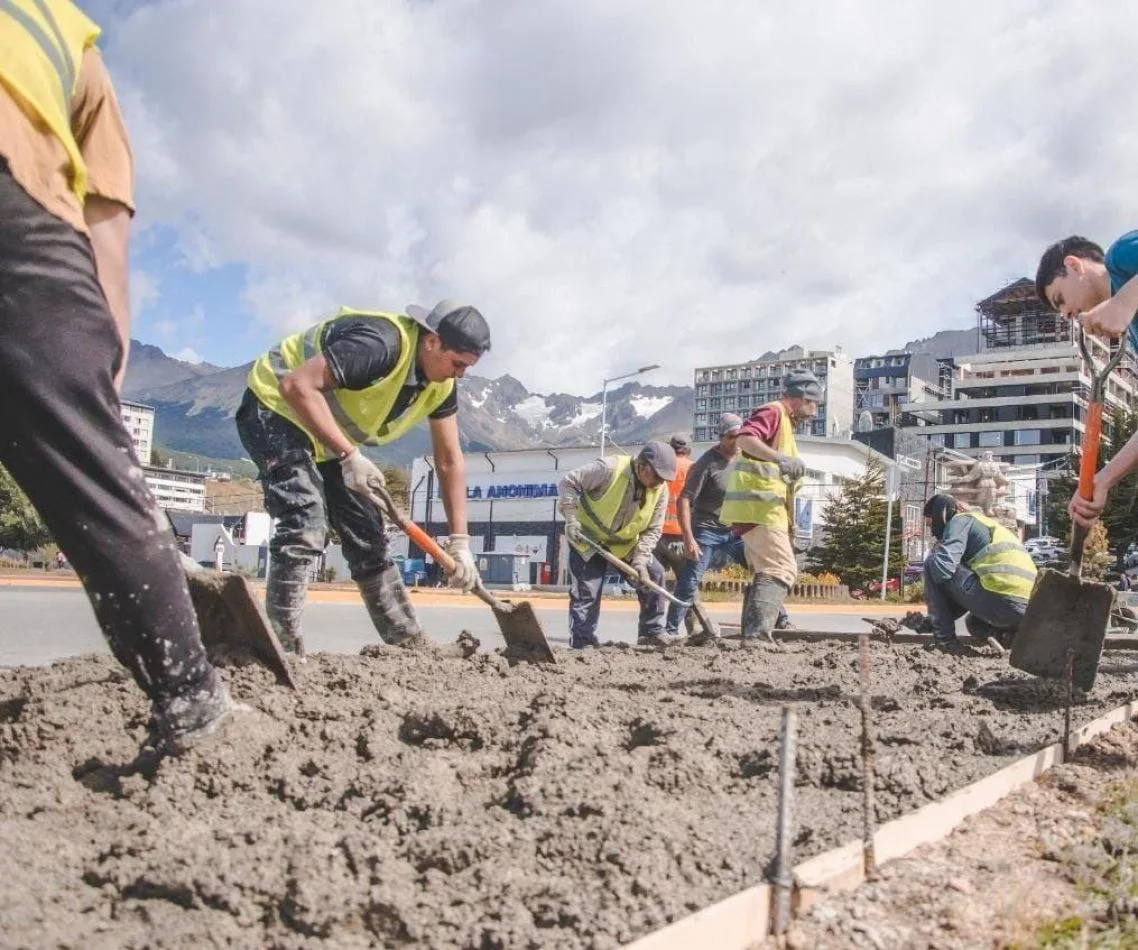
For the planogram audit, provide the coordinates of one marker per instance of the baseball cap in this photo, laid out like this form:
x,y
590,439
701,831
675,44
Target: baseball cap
x,y
662,458
729,424
679,441
460,326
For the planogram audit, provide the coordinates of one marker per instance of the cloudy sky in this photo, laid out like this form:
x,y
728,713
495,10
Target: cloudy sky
x,y
614,182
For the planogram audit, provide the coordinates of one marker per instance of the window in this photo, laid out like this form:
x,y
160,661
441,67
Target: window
x,y
1027,460
937,440
1027,437
990,440
962,440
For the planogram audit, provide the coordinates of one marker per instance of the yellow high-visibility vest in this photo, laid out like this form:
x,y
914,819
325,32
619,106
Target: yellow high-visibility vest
x,y
1003,566
41,51
360,413
756,492
597,515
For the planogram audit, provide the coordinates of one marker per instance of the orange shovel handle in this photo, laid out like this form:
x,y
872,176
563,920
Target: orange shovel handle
x,y
1089,464
428,544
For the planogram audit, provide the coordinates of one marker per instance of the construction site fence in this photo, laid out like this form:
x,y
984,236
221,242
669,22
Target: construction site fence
x,y
800,591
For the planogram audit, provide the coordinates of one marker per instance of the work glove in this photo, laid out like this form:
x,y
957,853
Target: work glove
x,y
362,476
465,573
790,468
574,532
643,578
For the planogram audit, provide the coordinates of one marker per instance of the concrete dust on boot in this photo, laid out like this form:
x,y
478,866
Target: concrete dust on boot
x,y
419,799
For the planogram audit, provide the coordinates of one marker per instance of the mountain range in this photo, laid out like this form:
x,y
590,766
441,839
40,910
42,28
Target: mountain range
x,y
194,405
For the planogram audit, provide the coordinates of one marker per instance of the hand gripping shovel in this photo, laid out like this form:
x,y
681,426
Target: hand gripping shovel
x,y
1065,612
525,640
709,628
232,621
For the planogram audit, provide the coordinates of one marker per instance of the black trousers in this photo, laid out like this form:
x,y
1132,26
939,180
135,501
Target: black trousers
x,y
63,440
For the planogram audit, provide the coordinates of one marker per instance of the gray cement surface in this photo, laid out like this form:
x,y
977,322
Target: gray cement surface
x,y
423,800
40,625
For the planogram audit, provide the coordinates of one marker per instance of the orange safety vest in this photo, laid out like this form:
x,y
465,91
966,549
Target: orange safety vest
x,y
675,489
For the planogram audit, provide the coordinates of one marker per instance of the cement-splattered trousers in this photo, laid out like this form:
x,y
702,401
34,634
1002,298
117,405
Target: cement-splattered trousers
x,y
306,497
63,440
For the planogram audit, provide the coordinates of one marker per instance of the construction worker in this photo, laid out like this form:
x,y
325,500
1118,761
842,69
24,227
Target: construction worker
x,y
760,499
670,548
312,401
66,182
977,569
706,540
619,504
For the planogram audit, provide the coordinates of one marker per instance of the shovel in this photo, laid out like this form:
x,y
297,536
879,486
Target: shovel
x,y
232,621
629,571
1067,614
525,640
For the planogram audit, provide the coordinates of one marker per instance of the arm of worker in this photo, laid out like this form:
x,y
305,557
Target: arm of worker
x,y
646,543
1086,511
692,549
1115,314
451,469
303,389
949,551
593,476
109,225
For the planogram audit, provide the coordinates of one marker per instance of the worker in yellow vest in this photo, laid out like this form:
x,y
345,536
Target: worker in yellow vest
x,y
978,569
359,378
66,183
618,503
759,501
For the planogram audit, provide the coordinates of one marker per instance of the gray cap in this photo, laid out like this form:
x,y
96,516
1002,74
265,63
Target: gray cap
x,y
679,441
729,424
460,326
662,458
803,384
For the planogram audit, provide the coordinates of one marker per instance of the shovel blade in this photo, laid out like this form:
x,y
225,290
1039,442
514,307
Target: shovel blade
x,y
233,624
1064,613
525,640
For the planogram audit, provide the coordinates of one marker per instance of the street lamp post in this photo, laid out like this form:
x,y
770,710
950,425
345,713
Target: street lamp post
x,y
605,396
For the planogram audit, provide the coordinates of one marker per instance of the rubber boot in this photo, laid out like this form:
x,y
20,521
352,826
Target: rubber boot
x,y
761,606
183,721
390,609
285,592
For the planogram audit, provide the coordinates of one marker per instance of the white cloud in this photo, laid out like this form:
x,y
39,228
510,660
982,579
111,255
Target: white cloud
x,y
188,354
616,184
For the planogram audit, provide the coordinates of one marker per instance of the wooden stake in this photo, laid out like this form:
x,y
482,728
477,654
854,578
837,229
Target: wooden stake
x,y
1067,704
868,761
784,832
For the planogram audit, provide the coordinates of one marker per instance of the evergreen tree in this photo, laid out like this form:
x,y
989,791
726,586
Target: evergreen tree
x,y
854,525
20,525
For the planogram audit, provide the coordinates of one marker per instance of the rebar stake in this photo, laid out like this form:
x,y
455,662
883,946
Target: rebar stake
x,y
868,761
1067,704
784,833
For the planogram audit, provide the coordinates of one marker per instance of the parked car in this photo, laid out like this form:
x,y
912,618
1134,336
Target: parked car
x,y
616,586
914,571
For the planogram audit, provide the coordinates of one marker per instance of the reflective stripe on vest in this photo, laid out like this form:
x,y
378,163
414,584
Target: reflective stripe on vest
x,y
1003,565
675,489
756,492
360,414
41,49
597,515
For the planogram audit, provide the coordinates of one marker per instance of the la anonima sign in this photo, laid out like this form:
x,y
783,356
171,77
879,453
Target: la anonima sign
x,y
518,490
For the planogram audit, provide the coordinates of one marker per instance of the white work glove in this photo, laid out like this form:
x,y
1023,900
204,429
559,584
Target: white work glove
x,y
362,475
465,571
790,468
573,531
643,578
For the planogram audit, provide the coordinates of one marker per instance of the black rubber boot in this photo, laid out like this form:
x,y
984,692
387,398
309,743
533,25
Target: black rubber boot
x,y
183,721
761,608
285,592
390,609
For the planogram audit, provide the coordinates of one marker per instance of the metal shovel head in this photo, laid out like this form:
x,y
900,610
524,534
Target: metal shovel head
x,y
233,624
525,640
1064,613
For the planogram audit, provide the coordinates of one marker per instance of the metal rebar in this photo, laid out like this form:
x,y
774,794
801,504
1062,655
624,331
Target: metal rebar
x,y
784,834
868,761
1067,705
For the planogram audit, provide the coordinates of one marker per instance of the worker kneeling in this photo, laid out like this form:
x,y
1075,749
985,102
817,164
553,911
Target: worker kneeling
x,y
616,503
978,568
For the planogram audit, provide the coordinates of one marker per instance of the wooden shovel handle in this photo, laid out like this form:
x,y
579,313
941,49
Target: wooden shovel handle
x,y
1087,468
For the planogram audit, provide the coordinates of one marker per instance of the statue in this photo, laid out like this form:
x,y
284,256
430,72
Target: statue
x,y
983,486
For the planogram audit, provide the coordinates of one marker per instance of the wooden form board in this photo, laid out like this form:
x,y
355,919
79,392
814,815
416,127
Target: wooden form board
x,y
790,636
742,922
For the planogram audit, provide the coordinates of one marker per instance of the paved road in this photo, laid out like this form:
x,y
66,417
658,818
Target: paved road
x,y
39,625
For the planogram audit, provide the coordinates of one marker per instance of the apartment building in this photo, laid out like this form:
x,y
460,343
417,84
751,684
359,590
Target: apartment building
x,y
743,387
139,421
183,491
886,383
1024,396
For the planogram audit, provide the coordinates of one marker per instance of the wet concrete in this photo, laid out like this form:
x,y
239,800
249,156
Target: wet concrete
x,y
424,800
